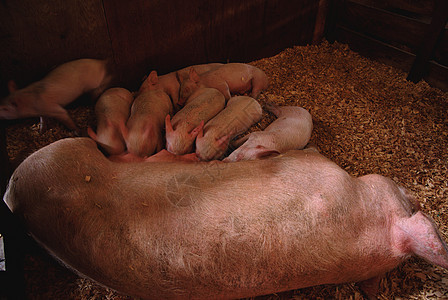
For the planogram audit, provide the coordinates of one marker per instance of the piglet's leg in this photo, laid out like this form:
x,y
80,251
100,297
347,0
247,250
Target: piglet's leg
x,y
60,114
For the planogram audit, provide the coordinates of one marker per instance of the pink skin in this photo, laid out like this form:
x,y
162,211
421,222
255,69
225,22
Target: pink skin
x,y
183,129
240,113
170,82
48,96
144,134
112,112
217,230
232,78
291,130
161,156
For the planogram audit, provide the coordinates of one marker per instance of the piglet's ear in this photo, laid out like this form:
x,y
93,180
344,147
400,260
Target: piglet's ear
x,y
153,78
194,133
178,77
124,132
223,142
12,86
92,134
267,153
201,133
168,125
194,75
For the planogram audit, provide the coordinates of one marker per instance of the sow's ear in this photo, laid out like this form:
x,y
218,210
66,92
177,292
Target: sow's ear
x,y
194,76
419,235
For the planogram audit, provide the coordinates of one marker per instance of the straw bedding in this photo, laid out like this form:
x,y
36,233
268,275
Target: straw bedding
x,y
367,118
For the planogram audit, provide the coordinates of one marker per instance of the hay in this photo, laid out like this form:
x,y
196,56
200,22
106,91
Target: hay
x,y
367,118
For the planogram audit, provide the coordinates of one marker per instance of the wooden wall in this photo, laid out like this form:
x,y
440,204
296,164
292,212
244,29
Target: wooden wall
x,y
408,34
39,35
141,35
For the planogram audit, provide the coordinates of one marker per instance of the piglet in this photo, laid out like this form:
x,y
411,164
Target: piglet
x,y
202,230
183,129
48,96
144,134
112,112
291,130
213,140
199,69
231,78
170,82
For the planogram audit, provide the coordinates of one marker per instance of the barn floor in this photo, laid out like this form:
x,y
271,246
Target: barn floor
x,y
367,118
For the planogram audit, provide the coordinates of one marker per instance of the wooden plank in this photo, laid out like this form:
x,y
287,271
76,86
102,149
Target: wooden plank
x,y
319,28
410,8
374,49
441,51
379,51
155,35
399,31
437,76
39,35
433,33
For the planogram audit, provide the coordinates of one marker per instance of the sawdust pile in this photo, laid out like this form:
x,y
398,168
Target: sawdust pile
x,y
367,118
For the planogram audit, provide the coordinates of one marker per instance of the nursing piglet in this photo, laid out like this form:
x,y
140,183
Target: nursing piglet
x,y
213,140
48,96
183,129
112,112
144,134
291,130
231,78
170,82
207,230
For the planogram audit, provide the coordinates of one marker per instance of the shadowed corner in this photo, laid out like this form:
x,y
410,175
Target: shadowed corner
x,y
12,236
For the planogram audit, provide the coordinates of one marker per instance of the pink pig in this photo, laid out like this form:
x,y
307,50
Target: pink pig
x,y
213,140
112,112
183,129
170,82
202,230
161,156
48,96
231,78
144,136
291,130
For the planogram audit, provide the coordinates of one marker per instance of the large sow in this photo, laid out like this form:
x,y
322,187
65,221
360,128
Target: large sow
x,y
217,230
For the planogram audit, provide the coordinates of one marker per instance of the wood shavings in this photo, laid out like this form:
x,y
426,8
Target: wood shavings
x,y
367,118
